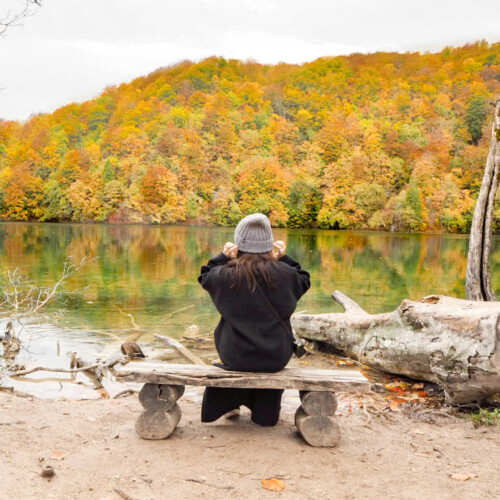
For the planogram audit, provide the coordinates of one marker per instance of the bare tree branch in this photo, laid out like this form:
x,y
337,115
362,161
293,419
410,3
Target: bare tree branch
x,y
23,299
12,20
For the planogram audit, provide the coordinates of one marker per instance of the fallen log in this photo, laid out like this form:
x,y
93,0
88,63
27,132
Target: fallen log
x,y
452,342
183,350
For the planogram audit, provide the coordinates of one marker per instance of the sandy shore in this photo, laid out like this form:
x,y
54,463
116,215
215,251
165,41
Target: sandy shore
x,y
392,459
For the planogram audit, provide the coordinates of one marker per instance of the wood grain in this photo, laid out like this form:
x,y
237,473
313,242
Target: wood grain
x,y
478,278
444,340
318,430
158,424
319,403
156,397
212,376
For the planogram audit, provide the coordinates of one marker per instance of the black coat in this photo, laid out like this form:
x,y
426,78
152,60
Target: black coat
x,y
249,336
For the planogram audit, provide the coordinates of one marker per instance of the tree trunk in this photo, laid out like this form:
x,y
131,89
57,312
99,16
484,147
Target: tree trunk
x,y
452,342
478,281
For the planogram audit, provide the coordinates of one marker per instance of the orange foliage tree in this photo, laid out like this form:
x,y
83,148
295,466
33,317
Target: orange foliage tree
x,y
380,141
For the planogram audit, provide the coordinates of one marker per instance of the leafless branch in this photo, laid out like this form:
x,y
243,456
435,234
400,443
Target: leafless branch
x,y
23,299
56,370
13,19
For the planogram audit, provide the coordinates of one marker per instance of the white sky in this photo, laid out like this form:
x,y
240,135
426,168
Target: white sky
x,y
71,49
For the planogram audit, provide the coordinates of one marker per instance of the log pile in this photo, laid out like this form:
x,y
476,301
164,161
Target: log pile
x,y
161,412
452,342
315,418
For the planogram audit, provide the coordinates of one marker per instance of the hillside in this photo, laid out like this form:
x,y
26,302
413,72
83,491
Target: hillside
x,y
379,141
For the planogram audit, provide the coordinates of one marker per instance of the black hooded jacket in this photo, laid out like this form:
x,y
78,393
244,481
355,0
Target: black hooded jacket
x,y
249,336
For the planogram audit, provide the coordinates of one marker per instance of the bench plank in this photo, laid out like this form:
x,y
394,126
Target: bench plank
x,y
206,375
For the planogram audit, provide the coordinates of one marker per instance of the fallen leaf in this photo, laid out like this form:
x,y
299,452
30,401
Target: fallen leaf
x,y
343,363
273,484
462,476
57,455
400,399
394,406
418,385
398,387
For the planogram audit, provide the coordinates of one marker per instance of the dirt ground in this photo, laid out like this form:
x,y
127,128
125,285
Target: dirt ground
x,y
94,449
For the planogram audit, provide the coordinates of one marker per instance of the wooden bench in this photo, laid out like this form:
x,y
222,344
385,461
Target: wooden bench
x,y
164,385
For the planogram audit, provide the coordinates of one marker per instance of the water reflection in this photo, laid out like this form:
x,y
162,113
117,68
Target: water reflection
x,y
151,270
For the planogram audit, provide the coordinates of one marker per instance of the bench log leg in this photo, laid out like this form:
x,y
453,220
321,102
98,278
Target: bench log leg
x,y
315,418
162,413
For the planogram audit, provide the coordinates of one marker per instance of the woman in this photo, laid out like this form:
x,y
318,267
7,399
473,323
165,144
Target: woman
x,y
255,287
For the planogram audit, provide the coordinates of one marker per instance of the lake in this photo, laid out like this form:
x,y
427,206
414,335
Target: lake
x,y
150,272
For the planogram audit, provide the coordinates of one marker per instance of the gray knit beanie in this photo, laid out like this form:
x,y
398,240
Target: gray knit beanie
x,y
254,234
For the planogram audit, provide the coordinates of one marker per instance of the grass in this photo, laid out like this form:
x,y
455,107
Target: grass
x,y
486,416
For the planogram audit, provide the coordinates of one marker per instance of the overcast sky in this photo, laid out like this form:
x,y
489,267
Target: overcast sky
x,y
71,49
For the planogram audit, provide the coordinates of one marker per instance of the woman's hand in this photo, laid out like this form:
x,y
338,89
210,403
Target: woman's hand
x,y
279,249
230,250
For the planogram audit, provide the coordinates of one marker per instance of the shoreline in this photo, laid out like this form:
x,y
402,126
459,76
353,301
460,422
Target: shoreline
x,y
209,226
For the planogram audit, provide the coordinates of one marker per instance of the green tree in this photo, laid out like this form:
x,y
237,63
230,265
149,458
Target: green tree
x,y
475,117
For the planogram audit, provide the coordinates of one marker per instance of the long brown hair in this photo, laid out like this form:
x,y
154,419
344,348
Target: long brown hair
x,y
245,269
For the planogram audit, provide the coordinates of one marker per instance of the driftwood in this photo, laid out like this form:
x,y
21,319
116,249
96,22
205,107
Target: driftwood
x,y
478,280
452,342
212,376
135,326
170,314
95,368
56,370
182,349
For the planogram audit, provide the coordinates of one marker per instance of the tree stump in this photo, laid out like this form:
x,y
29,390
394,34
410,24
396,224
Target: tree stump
x,y
315,418
162,413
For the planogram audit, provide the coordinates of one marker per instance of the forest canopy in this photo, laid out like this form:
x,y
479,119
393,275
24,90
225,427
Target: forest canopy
x,y
383,141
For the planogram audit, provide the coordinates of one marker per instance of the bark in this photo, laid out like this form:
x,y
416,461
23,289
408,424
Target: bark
x,y
161,412
158,424
478,280
318,403
158,397
452,342
317,430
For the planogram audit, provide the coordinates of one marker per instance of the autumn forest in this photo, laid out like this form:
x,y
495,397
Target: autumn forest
x,y
382,141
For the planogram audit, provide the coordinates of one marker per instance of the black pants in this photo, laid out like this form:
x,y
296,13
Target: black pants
x,y
265,404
